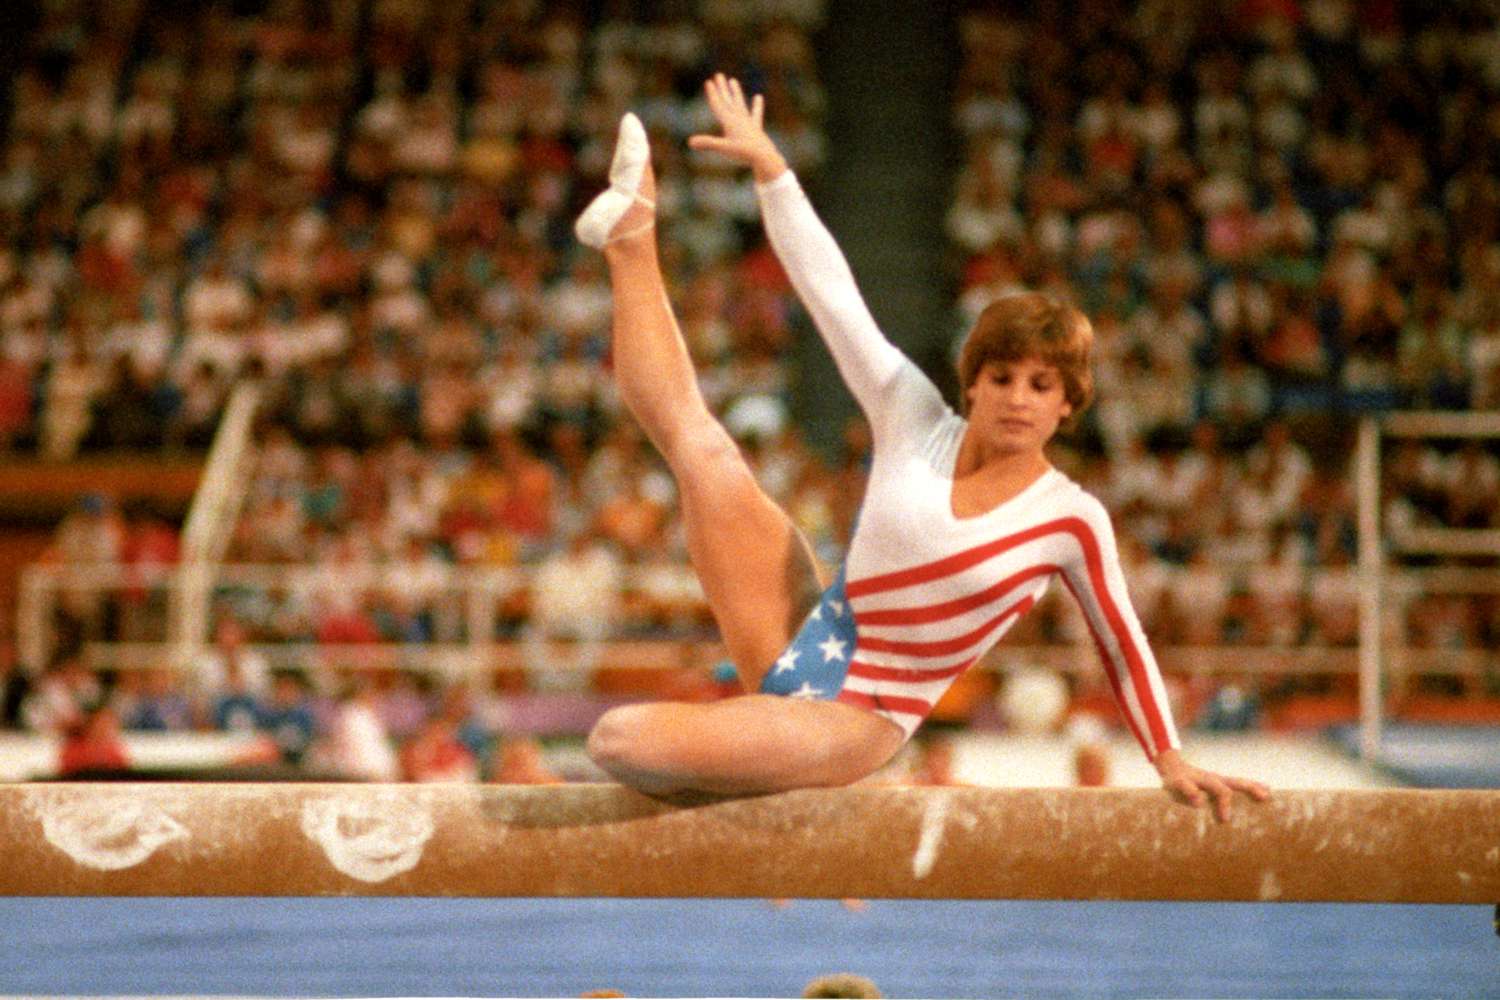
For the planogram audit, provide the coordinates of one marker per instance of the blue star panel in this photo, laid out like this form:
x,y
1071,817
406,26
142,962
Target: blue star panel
x,y
814,665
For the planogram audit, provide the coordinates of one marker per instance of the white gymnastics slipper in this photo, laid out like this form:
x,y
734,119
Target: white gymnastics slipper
x,y
595,227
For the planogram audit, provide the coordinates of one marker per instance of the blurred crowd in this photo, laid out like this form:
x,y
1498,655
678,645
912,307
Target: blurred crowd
x,y
1268,207
372,726
1279,215
367,208
369,204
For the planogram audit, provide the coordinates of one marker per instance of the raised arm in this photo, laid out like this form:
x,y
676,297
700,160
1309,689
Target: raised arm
x,y
812,259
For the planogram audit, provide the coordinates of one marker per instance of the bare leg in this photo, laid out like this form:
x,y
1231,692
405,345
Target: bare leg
x,y
757,571
756,743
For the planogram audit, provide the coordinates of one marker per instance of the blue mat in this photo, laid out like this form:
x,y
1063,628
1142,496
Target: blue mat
x,y
435,947
1433,756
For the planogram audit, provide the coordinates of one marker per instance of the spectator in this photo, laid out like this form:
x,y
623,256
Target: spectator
x,y
1473,488
62,697
160,705
289,718
16,402
150,553
632,520
71,388
360,748
1088,735
93,745
436,755
1234,707
519,761
229,665
236,706
934,764
468,716
575,600
126,414
14,687
403,704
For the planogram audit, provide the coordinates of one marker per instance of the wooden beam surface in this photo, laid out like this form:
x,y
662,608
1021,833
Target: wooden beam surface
x,y
863,841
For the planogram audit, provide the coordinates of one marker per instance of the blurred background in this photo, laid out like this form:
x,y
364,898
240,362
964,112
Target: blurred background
x,y
311,464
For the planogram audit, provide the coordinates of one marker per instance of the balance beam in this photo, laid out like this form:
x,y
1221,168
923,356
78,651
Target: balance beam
x,y
862,841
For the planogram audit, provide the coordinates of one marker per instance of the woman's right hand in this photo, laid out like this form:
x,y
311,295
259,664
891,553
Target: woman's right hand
x,y
744,139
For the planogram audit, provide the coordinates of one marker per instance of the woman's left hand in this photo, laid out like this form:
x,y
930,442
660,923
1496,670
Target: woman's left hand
x,y
1195,786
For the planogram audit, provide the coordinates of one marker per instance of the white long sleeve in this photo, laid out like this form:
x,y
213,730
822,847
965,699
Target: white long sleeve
x,y
823,281
1097,581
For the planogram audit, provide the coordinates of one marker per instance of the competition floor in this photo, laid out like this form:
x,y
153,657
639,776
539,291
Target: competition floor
x,y
417,947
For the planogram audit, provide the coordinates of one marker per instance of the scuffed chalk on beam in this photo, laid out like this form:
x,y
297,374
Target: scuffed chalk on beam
x,y
863,841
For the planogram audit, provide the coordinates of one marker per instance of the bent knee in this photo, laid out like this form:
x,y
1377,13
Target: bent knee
x,y
613,737
622,743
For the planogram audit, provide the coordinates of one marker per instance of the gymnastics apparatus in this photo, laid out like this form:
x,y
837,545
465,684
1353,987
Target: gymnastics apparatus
x,y
873,841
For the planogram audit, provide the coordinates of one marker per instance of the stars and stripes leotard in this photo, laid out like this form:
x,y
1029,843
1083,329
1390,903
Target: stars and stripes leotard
x,y
923,594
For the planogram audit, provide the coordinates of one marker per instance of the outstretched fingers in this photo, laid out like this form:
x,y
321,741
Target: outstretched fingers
x,y
726,99
743,135
712,95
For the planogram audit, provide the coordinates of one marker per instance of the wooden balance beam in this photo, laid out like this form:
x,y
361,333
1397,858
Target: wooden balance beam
x,y
862,841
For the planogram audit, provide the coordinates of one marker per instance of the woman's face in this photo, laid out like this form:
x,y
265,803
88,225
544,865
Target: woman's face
x,y
1017,405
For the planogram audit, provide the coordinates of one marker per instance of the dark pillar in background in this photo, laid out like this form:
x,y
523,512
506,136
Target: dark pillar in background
x,y
888,68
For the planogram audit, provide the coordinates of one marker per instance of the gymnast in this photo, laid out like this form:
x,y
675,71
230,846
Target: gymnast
x,y
964,525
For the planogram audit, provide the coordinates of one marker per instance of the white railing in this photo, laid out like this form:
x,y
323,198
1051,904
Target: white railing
x,y
476,593
1373,572
210,522
456,659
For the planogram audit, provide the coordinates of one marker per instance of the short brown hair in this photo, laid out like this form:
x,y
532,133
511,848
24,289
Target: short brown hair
x,y
1032,325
